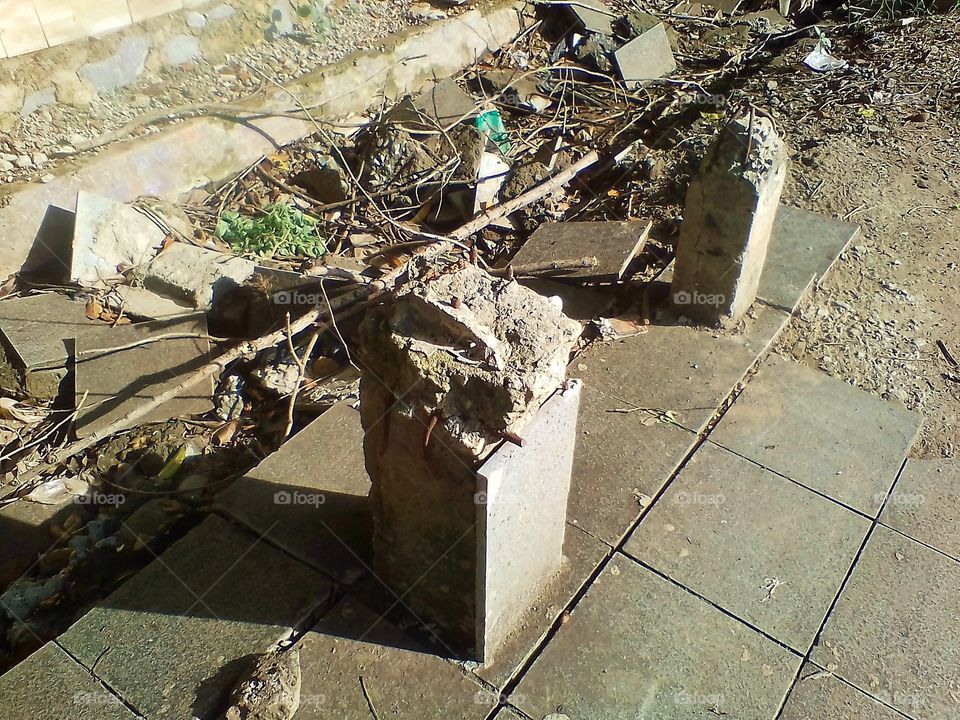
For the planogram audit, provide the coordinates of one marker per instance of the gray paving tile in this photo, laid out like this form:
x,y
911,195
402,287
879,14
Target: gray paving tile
x,y
618,456
925,504
310,497
36,328
894,631
172,639
684,370
638,647
819,694
582,553
803,247
50,685
821,432
732,532
401,678
111,384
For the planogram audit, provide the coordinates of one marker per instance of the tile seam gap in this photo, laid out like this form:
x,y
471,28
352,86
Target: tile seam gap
x,y
836,598
711,603
514,679
122,700
852,509
919,542
860,690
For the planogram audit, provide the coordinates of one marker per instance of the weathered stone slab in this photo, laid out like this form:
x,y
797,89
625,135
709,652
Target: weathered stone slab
x,y
803,247
646,57
50,685
821,695
761,547
507,714
820,432
729,214
925,504
195,274
311,496
582,553
108,238
637,647
171,640
894,633
613,244
36,327
588,19
111,383
445,103
351,645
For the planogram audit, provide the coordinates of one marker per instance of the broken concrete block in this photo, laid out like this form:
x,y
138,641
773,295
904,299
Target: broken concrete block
x,y
592,16
458,362
196,274
111,383
36,331
613,245
108,238
730,210
647,57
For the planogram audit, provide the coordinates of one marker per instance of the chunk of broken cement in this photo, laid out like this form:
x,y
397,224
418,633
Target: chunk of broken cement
x,y
730,209
109,238
612,244
483,352
196,274
592,16
458,361
646,57
141,303
111,383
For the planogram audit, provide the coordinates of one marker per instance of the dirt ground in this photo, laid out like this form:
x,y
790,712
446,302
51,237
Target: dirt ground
x,y
883,152
875,143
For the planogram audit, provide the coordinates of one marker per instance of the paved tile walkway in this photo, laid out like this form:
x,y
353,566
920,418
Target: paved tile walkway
x,y
753,582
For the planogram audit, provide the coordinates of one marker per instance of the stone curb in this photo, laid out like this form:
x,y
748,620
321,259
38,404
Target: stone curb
x,y
206,149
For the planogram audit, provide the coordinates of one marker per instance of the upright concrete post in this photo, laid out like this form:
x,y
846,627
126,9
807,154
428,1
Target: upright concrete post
x,y
467,526
731,205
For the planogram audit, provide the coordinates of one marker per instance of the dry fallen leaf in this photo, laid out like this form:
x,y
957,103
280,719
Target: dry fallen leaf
x,y
94,309
224,434
10,409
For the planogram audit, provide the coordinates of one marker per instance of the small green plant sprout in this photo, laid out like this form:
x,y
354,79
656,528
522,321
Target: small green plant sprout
x,y
281,230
